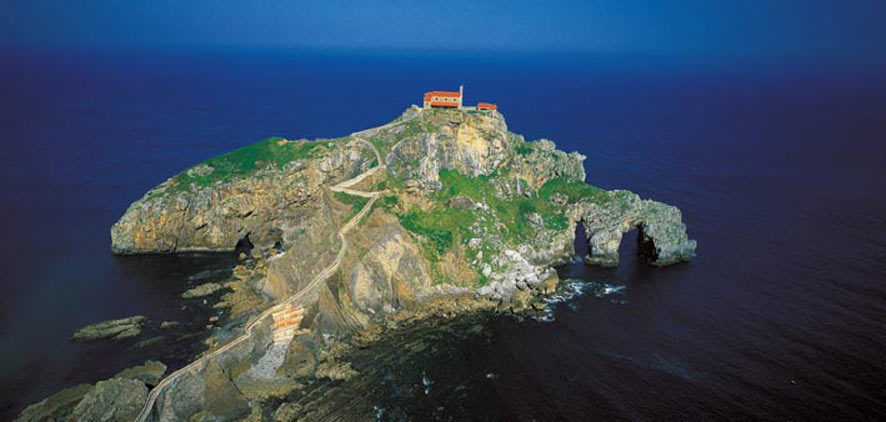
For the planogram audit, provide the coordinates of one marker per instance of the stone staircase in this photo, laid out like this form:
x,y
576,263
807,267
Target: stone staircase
x,y
286,321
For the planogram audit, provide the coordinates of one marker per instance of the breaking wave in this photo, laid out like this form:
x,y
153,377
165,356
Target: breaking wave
x,y
572,288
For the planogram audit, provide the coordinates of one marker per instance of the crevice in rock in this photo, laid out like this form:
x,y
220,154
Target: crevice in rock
x,y
580,240
244,245
646,246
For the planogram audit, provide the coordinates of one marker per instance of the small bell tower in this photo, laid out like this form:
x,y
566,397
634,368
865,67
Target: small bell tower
x,y
461,95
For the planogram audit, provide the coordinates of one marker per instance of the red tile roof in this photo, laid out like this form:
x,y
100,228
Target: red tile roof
x,y
441,94
443,104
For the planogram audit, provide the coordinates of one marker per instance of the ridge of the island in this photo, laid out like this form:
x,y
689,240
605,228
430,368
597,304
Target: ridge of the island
x,y
442,211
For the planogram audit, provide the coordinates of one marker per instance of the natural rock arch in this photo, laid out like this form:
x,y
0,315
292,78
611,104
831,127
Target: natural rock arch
x,y
662,237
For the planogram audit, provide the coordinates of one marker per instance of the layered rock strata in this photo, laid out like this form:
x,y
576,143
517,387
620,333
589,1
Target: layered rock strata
x,y
438,205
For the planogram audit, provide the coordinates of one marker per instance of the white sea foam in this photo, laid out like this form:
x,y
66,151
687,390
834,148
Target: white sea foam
x,y
572,288
426,382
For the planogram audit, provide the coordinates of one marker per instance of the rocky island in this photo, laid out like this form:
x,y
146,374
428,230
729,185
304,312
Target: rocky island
x,y
439,212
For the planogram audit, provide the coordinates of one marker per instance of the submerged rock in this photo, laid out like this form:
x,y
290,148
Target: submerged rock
x,y
116,329
205,289
335,370
169,324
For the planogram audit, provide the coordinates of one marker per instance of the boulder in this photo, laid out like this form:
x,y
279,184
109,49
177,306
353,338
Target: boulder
x,y
169,324
549,281
205,289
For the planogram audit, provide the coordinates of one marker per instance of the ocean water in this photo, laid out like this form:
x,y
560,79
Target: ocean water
x,y
777,167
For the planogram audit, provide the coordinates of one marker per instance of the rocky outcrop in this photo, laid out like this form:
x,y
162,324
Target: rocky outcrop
x,y
206,394
459,215
475,145
149,373
262,205
315,242
661,233
204,289
56,407
539,161
116,399
386,269
112,400
117,329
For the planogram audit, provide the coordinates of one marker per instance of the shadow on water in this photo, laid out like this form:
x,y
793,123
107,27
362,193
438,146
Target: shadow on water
x,y
162,279
149,285
580,242
630,262
632,265
167,274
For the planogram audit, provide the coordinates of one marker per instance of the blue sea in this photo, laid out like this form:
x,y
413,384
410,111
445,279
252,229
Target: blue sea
x,y
778,168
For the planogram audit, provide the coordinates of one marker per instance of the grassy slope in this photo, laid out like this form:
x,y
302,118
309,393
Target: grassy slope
x,y
269,152
443,225
354,201
506,220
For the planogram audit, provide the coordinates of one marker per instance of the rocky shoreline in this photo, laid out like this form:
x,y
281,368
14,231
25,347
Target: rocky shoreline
x,y
436,215
330,358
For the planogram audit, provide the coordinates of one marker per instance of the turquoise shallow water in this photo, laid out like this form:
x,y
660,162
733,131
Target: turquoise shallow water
x,y
778,171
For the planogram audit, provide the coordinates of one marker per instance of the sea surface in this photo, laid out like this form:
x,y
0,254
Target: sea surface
x,y
778,168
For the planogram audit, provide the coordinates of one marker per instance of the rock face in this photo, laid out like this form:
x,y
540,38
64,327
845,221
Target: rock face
x,y
207,395
387,268
202,209
539,161
468,205
204,289
661,233
149,373
117,329
453,141
463,215
56,407
112,400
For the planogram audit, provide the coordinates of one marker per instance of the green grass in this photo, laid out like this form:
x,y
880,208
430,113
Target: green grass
x,y
441,225
249,159
388,202
508,219
524,148
513,212
356,202
457,184
573,189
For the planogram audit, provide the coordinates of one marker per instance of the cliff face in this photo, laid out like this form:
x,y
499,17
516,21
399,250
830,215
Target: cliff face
x,y
466,203
262,191
439,209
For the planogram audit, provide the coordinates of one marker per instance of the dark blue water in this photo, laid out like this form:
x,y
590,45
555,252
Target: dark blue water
x,y
778,170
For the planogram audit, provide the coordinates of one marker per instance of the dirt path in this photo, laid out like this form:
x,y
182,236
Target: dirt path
x,y
295,298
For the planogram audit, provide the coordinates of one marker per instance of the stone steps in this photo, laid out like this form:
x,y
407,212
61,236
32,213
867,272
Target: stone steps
x,y
286,322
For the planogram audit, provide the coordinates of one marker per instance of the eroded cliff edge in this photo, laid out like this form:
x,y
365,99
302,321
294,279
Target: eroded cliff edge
x,y
438,204
438,162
